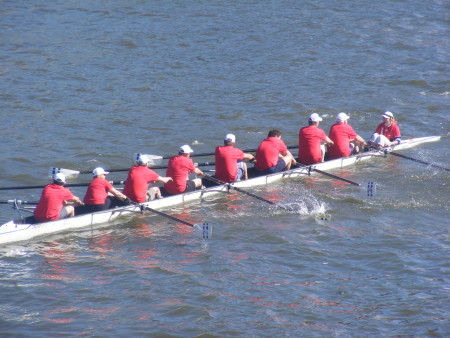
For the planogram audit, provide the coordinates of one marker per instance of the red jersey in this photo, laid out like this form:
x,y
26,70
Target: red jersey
x,y
392,132
51,202
178,168
137,182
226,162
309,144
97,192
341,134
268,152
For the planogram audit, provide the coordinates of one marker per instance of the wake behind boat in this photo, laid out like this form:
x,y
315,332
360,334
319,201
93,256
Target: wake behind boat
x,y
16,230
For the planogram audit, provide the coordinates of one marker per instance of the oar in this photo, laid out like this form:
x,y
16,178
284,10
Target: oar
x,y
19,202
65,185
203,230
371,186
75,173
416,160
231,186
210,154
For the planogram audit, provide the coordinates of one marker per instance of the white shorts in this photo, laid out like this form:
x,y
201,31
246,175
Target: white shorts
x,y
380,140
65,211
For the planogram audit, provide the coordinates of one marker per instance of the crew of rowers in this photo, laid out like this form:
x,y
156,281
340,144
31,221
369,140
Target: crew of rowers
x,y
272,156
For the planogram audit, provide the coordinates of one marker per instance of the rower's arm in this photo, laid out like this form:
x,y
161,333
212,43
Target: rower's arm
x,y
360,140
198,172
164,179
117,193
248,156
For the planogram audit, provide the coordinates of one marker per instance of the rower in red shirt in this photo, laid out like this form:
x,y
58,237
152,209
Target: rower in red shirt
x,y
53,202
100,194
179,168
387,133
344,137
139,177
229,161
272,155
310,139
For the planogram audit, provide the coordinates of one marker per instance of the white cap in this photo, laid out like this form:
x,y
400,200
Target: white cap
x,y
341,117
387,115
100,171
143,159
230,138
314,117
59,177
185,149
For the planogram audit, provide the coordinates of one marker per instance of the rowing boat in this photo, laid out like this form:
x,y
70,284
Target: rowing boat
x,y
14,231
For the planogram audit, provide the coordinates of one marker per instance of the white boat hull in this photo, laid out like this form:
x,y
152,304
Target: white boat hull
x,y
14,232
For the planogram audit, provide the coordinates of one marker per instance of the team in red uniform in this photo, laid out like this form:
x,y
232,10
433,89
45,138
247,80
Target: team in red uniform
x,y
51,205
229,161
344,137
272,155
310,139
139,177
387,133
179,168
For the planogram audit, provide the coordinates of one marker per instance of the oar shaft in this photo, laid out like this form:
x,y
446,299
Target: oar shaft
x,y
419,161
203,164
19,202
337,177
231,186
167,216
328,174
212,154
66,185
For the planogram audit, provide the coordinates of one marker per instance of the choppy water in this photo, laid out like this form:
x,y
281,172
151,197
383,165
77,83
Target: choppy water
x,y
90,83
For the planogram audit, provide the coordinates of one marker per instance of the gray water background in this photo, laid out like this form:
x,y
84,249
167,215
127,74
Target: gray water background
x,y
89,83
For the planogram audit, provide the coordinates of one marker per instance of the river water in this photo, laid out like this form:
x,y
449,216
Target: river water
x,y
89,83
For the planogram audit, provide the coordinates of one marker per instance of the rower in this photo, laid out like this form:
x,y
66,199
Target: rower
x,y
100,194
312,141
54,200
179,168
387,132
345,139
272,155
230,165
139,177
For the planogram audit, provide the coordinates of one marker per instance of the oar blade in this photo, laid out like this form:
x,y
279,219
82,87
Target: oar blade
x,y
203,230
370,189
69,173
153,159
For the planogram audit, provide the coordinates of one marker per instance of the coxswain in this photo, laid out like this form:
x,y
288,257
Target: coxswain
x,y
387,133
272,155
312,141
100,194
346,141
138,180
179,168
230,165
54,201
